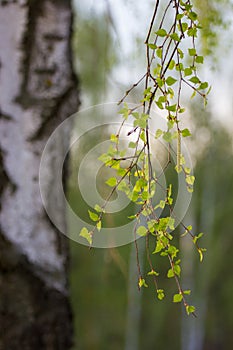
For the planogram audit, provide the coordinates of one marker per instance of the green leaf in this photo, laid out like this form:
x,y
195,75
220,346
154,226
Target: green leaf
x,y
160,82
170,124
192,52
123,186
85,234
171,108
177,269
179,16
140,122
159,247
171,223
132,144
173,251
159,52
121,172
203,86
179,67
98,208
200,251
132,216
184,26
190,309
195,238
159,104
190,179
170,92
199,59
112,181
175,37
177,298
153,273
161,32
170,81
192,32
98,226
93,216
160,205
181,110
180,52
142,231
169,191
160,294
170,273
143,136
124,111
189,189
142,283
171,64
105,158
193,94
136,114
188,71
187,292
114,138
167,136
152,46
185,133
151,225
192,15
158,133
194,80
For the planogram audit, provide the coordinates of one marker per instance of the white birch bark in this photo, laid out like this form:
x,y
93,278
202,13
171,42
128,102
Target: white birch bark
x,y
37,91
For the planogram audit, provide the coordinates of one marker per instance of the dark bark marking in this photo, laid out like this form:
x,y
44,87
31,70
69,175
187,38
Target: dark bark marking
x,y
5,180
32,316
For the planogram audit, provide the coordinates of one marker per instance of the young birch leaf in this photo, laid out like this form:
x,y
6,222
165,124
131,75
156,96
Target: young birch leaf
x,y
158,133
177,298
171,64
186,133
114,138
195,80
188,71
159,52
142,283
152,46
192,52
203,86
160,294
98,208
170,273
190,179
86,234
98,225
93,216
161,32
199,59
170,81
190,309
187,292
112,181
159,247
153,273
142,231
175,37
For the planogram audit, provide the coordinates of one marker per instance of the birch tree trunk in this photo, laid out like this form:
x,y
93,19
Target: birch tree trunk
x,y
37,91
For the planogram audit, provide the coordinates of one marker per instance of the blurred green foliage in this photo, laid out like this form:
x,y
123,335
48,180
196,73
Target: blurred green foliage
x,y
94,54
214,18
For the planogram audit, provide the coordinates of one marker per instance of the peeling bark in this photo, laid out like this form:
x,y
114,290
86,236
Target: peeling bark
x,y
37,92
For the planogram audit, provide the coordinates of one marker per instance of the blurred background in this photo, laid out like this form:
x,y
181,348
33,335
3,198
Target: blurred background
x,y
109,311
